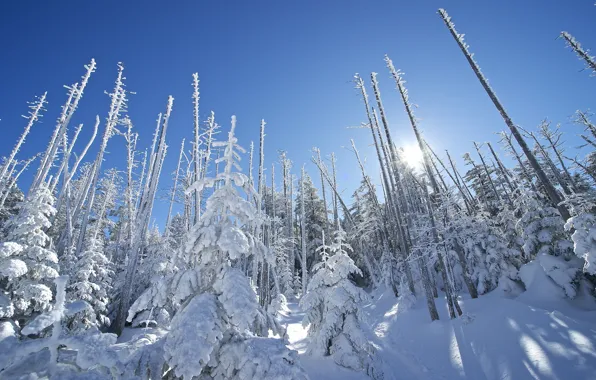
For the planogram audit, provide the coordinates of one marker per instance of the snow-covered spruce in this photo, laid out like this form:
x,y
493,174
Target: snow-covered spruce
x,y
213,333
333,311
27,265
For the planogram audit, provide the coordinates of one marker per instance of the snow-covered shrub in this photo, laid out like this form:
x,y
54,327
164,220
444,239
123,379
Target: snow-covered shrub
x,y
195,337
278,303
332,305
562,276
94,356
257,358
541,228
487,253
584,239
146,360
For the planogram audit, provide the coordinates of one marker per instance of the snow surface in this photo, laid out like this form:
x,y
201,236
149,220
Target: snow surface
x,y
498,337
503,335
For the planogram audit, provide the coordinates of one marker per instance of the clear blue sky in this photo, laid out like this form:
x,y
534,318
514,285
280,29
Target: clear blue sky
x,y
292,64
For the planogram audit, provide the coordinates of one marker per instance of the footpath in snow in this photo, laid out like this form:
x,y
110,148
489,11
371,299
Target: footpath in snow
x,y
316,367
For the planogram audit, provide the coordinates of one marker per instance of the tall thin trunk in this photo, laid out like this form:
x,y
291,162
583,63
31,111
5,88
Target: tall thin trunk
x,y
522,166
552,193
553,167
335,211
250,164
142,222
174,188
67,150
397,76
387,180
581,53
195,148
318,151
14,179
75,167
303,233
34,115
487,172
504,172
460,177
464,195
553,141
76,93
449,291
118,103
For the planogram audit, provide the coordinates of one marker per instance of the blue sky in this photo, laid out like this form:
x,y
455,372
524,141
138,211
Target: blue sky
x,y
291,63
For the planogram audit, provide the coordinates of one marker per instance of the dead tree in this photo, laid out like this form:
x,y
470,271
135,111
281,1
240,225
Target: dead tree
x,y
552,193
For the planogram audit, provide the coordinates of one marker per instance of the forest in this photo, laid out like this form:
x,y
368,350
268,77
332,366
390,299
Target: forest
x,y
276,273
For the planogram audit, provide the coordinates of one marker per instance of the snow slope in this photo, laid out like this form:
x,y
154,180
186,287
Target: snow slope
x,y
497,338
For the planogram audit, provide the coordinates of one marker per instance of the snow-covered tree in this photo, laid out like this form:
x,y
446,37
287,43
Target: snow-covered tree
x,y
92,283
333,310
214,330
28,265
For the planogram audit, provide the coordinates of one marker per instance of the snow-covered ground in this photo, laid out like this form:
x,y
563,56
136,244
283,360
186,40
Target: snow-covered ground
x,y
317,368
497,338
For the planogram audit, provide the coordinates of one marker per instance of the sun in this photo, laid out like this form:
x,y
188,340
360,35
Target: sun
x,y
413,155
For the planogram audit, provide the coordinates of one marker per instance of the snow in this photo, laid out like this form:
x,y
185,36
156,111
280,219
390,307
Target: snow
x,y
316,367
499,337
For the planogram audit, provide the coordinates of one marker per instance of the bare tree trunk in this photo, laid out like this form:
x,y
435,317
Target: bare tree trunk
x,y
303,233
553,167
490,180
195,148
75,95
507,138
464,195
322,184
34,115
449,291
174,188
550,189
387,178
118,102
335,210
581,53
67,150
504,172
553,140
405,99
141,222
14,179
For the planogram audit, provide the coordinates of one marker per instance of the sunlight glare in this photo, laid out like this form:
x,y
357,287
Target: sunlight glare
x,y
413,155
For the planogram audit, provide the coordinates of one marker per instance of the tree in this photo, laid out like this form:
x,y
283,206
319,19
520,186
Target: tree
x,y
215,327
27,264
315,220
333,312
553,195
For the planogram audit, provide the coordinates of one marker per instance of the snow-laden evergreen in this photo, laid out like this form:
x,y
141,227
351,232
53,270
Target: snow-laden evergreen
x,y
333,314
28,264
219,317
